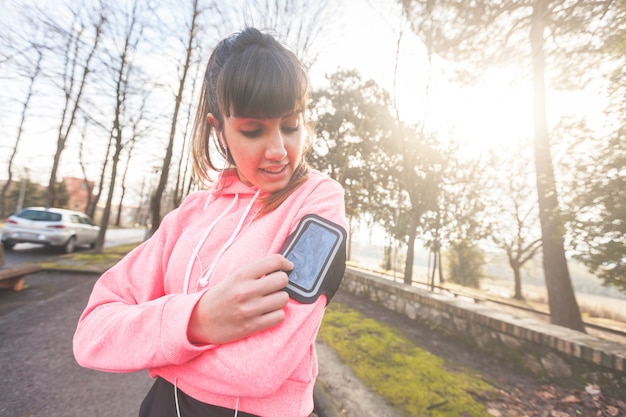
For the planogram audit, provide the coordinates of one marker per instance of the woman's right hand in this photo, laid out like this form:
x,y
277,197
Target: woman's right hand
x,y
246,302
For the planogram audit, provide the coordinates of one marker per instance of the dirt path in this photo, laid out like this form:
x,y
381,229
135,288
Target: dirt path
x,y
350,395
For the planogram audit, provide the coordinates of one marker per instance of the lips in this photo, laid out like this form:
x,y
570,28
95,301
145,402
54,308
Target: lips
x,y
273,170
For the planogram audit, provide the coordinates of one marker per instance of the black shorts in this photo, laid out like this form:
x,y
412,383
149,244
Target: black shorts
x,y
160,402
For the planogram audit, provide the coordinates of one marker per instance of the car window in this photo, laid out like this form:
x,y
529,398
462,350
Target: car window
x,y
84,220
38,215
75,218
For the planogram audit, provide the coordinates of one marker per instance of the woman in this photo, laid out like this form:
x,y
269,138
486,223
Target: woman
x,y
201,303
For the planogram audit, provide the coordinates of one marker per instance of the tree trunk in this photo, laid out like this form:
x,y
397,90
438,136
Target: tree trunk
x,y
410,254
564,309
517,274
440,268
106,213
434,270
20,130
155,202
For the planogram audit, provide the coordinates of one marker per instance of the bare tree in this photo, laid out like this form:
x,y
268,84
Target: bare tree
x,y
36,71
514,219
184,163
126,28
137,132
302,23
81,161
120,205
79,40
192,33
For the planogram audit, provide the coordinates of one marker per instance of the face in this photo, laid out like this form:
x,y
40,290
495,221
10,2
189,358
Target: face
x,y
266,151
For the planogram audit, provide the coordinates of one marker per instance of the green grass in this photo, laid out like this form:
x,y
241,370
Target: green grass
x,y
88,261
409,378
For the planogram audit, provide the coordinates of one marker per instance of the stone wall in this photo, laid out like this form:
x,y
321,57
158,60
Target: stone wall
x,y
549,351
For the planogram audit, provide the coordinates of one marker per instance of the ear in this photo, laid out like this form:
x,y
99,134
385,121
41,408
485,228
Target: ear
x,y
218,131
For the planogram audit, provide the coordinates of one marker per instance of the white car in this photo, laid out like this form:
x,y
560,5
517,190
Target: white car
x,y
60,228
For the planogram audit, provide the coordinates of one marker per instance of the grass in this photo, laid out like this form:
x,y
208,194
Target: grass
x,y
88,261
409,378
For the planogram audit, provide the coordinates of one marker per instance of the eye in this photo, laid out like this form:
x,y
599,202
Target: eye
x,y
252,133
291,128
291,124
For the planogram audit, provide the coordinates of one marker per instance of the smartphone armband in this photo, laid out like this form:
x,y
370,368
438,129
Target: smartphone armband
x,y
317,248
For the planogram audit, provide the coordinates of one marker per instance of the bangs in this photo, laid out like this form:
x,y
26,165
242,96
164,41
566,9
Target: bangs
x,y
260,83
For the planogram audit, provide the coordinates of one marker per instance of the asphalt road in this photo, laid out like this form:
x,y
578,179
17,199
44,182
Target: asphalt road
x,y
27,252
39,375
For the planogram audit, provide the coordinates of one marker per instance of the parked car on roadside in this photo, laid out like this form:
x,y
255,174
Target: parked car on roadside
x,y
54,227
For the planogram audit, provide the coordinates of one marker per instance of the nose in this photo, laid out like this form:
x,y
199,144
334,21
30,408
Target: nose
x,y
275,150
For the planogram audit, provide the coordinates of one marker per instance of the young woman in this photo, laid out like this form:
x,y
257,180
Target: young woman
x,y
201,303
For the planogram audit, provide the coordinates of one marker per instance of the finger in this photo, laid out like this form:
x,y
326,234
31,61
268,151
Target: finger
x,y
274,301
269,319
274,262
261,313
270,283
262,267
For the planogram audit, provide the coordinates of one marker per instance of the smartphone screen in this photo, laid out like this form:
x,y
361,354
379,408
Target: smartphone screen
x,y
317,251
310,254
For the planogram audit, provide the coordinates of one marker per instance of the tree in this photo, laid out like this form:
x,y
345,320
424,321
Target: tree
x,y
418,174
505,32
29,95
514,217
460,220
599,209
91,204
23,56
29,194
464,262
190,43
301,23
126,31
353,128
78,42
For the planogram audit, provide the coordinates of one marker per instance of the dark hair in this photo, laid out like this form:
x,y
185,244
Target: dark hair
x,y
249,74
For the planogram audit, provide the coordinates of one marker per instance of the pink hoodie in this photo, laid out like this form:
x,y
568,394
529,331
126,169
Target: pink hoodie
x,y
138,312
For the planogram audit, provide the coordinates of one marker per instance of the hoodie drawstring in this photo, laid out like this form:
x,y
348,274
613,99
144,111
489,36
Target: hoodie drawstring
x,y
204,281
201,242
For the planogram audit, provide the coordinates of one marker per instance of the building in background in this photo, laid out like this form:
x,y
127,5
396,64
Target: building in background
x,y
78,193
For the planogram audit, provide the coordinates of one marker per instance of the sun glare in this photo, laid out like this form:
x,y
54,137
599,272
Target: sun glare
x,y
489,116
478,118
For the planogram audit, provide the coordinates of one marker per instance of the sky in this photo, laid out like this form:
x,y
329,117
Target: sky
x,y
500,109
364,37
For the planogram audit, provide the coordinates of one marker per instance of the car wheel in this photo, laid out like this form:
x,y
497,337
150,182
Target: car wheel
x,y
70,245
7,245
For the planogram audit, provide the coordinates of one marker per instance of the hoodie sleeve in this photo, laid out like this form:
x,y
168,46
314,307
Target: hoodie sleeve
x,y
128,312
258,365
